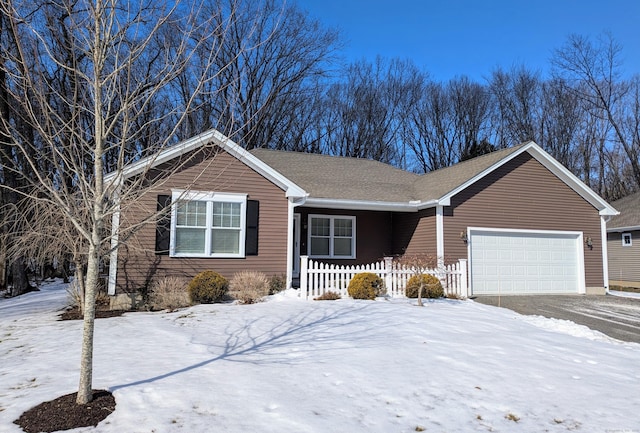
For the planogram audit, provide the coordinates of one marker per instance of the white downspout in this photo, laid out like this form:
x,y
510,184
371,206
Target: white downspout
x,y
605,255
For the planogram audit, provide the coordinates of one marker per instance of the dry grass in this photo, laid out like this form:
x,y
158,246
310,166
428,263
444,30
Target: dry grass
x,y
169,293
249,287
328,296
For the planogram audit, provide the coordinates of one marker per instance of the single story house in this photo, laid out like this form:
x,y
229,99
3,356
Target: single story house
x,y
623,243
524,222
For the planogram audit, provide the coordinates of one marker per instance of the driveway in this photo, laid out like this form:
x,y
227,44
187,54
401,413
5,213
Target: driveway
x,y
615,316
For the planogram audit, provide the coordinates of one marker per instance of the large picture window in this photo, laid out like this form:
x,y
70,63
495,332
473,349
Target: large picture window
x,y
208,224
332,236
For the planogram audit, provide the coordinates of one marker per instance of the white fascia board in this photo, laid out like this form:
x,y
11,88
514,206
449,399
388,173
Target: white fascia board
x,y
224,142
623,229
552,165
329,203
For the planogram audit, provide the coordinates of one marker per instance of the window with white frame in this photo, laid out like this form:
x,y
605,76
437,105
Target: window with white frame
x,y
332,236
626,239
208,224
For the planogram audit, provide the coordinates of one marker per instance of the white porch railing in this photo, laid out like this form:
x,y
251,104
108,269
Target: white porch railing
x,y
316,278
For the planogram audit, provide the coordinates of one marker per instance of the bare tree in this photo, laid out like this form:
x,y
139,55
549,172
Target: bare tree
x,y
517,99
364,113
268,66
112,69
596,66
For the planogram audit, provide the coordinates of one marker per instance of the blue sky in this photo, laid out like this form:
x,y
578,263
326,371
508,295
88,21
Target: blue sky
x,y
449,38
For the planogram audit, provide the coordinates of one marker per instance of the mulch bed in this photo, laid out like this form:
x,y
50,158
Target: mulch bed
x,y
75,314
64,413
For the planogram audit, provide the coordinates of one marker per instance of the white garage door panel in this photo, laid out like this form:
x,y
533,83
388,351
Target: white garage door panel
x,y
524,263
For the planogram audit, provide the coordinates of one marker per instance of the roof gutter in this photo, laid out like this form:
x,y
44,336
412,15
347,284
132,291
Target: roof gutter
x,y
412,206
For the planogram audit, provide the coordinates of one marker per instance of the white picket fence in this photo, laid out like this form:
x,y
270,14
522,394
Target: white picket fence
x,y
316,278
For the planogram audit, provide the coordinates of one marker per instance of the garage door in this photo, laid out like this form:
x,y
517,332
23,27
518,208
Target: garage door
x,y
525,262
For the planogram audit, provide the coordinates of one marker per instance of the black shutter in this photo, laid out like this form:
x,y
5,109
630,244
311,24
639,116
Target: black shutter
x,y
163,227
251,242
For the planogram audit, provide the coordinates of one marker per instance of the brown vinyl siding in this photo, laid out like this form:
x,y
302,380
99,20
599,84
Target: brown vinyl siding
x,y
415,232
138,263
624,262
373,234
523,194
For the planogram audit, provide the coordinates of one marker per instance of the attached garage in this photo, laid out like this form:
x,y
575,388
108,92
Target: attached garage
x,y
519,262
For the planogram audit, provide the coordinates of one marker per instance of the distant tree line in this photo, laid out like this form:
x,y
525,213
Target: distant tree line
x,y
267,74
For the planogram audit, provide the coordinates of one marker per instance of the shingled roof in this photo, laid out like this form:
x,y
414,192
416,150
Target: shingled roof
x,y
629,217
341,178
333,177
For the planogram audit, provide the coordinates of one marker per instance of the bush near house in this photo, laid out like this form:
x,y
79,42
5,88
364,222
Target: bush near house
x,y
365,285
208,287
249,287
431,286
169,293
277,283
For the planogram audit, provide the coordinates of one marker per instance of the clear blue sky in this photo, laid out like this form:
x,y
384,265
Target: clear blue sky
x,y
450,38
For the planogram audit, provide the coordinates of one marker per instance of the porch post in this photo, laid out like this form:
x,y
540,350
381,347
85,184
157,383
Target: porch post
x,y
290,243
440,235
304,272
388,278
464,284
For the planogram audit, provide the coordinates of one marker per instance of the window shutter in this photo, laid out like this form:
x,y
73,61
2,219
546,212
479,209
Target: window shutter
x,y
251,242
163,226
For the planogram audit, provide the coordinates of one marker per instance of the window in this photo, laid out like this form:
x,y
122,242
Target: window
x,y
208,224
332,236
626,239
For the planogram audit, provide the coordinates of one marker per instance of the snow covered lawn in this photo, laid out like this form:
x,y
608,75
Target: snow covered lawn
x,y
288,365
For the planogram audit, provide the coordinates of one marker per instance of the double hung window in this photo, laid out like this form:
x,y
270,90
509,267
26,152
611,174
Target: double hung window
x,y
208,224
332,236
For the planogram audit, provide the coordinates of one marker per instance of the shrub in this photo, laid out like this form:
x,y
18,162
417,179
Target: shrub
x,y
208,287
365,285
432,288
75,297
328,296
249,287
169,293
277,283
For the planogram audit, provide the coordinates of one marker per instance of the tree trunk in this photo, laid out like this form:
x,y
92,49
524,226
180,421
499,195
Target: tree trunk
x,y
85,395
20,280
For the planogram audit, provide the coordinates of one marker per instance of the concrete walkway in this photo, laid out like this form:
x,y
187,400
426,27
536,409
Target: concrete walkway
x,y
614,316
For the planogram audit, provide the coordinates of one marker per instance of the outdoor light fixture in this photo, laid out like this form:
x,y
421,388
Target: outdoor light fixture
x,y
589,242
463,236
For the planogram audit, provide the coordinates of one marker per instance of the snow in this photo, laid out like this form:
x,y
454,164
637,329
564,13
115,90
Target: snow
x,y
288,365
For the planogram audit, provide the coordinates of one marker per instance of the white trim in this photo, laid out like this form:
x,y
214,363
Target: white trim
x,y
290,207
623,229
605,253
440,232
579,248
209,198
624,244
210,137
331,254
552,165
329,203
296,246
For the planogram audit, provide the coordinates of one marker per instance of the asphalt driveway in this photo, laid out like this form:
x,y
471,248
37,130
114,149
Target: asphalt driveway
x,y
615,316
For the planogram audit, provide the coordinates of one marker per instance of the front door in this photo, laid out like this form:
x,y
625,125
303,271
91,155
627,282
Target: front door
x,y
296,245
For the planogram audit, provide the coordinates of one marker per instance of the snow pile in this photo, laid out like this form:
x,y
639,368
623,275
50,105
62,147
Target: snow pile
x,y
288,365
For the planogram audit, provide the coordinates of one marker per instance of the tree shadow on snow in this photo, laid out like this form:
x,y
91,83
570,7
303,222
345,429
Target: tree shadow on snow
x,y
301,334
